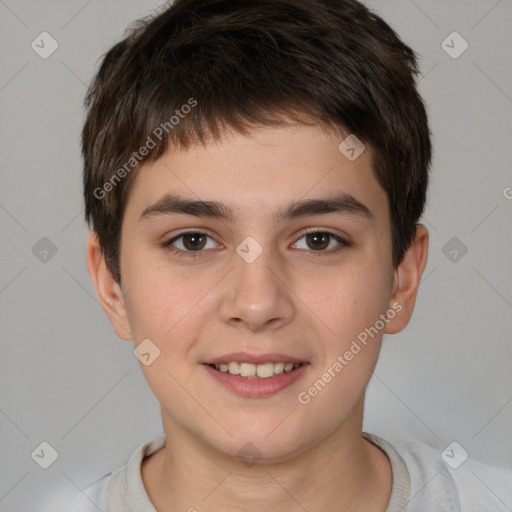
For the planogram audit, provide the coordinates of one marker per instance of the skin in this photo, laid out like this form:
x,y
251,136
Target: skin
x,y
293,299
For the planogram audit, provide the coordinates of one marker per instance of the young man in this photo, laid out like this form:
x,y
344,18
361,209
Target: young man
x,y
254,176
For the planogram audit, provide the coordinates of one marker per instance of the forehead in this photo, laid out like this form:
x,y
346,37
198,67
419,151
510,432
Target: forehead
x,y
255,175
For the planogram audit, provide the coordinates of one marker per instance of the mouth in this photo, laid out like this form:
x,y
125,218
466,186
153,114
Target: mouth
x,y
255,371
256,376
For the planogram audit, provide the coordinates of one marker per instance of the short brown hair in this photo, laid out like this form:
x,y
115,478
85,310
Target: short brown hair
x,y
240,63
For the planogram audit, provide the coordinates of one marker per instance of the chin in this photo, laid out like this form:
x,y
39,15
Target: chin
x,y
261,442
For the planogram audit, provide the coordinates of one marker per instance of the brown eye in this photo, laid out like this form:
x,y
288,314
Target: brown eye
x,y
191,244
318,241
194,241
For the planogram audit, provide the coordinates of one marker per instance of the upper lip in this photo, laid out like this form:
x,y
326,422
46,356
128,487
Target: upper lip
x,y
244,357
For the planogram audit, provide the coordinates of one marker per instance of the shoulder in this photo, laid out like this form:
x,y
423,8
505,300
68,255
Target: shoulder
x,y
451,471
122,489
447,479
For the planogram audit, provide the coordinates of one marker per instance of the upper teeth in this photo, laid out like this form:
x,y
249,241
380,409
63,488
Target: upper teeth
x,y
263,371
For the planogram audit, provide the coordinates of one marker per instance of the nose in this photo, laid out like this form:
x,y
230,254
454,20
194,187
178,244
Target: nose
x,y
256,295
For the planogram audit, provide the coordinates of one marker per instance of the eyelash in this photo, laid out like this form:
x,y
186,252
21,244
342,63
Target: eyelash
x,y
167,245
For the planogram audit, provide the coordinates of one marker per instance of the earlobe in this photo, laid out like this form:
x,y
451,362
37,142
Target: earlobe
x,y
109,292
407,280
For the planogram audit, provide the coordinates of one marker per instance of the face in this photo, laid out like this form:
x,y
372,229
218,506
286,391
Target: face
x,y
292,265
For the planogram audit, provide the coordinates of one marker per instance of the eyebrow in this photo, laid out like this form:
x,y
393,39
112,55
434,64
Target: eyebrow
x,y
341,203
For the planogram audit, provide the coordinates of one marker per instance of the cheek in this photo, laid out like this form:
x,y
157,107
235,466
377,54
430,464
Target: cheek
x,y
169,311
348,302
347,354
160,302
348,305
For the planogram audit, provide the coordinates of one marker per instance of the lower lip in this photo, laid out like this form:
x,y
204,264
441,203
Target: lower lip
x,y
256,387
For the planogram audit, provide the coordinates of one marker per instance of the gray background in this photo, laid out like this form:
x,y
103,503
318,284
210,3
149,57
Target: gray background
x,y
64,376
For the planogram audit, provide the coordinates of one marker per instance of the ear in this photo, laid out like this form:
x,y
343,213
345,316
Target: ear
x,y
109,292
406,281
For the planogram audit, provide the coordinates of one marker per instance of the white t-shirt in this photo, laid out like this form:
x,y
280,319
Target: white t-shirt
x,y
422,482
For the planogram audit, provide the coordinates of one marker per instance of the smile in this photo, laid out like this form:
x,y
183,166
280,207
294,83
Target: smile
x,y
256,371
256,380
